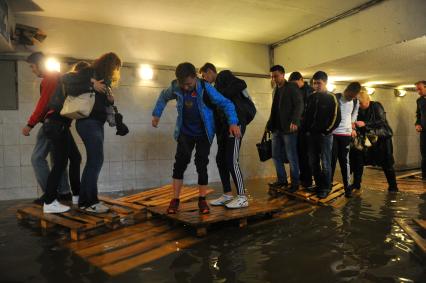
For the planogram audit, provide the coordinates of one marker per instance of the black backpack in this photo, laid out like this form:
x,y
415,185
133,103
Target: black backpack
x,y
244,106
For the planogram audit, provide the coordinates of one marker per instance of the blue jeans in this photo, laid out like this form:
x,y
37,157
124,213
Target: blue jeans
x,y
320,151
41,168
284,146
91,132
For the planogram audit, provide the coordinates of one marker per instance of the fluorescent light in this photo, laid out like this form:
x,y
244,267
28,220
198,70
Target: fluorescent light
x,y
52,64
406,86
331,87
370,90
146,72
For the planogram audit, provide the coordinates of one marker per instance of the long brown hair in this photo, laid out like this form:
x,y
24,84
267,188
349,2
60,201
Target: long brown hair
x,y
107,67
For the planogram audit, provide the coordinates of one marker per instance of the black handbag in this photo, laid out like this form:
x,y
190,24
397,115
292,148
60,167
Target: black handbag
x,y
53,129
264,148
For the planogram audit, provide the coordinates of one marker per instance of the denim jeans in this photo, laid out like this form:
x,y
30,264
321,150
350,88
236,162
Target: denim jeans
x,y
341,146
320,151
41,150
284,146
91,132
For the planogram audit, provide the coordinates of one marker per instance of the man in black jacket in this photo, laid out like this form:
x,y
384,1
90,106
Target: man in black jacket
x,y
421,122
302,142
321,118
228,146
284,123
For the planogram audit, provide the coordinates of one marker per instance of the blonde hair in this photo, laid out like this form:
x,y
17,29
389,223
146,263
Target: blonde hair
x,y
363,96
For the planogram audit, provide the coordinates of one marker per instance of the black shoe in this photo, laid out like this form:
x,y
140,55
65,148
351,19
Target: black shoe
x,y
322,194
348,192
355,187
278,184
306,184
65,197
293,189
393,189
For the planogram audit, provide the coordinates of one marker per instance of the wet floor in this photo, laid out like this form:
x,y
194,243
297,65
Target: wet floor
x,y
359,242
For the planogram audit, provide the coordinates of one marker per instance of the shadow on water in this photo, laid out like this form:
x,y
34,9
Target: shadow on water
x,y
359,242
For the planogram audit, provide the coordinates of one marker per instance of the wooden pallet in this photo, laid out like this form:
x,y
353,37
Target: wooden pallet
x,y
121,250
309,195
78,222
188,214
413,175
161,196
414,228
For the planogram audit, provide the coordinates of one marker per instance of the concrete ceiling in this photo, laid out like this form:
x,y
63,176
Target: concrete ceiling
x,y
394,65
241,20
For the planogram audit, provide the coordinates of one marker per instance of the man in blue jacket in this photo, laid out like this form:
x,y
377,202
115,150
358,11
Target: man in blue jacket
x,y
195,127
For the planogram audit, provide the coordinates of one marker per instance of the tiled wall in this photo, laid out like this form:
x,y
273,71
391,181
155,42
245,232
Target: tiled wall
x,y
142,159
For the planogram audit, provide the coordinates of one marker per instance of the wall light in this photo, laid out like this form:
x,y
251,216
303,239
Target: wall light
x,y
146,72
370,90
331,87
53,65
399,92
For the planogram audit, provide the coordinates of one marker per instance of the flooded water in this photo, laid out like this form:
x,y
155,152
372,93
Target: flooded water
x,y
359,242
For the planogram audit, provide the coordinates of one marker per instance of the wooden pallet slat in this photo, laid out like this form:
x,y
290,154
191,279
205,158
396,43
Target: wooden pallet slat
x,y
419,240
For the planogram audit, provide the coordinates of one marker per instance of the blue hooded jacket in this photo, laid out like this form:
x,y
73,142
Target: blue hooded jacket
x,y
175,92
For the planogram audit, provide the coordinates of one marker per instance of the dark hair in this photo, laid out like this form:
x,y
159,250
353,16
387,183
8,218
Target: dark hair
x,y
184,70
320,75
277,68
35,58
421,82
295,76
105,66
206,67
80,66
353,87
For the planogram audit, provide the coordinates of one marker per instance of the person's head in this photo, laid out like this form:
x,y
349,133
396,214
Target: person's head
x,y
352,90
36,61
107,67
319,81
421,88
364,99
297,78
277,75
208,72
80,66
186,76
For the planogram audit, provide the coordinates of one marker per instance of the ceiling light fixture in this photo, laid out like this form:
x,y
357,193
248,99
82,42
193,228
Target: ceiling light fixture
x,y
146,72
331,87
399,92
53,65
370,90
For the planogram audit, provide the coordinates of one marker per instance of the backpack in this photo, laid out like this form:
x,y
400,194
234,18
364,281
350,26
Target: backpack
x,y
56,101
244,106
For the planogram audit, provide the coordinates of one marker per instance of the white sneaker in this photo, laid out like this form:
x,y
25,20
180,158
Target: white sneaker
x,y
55,207
75,199
222,200
238,202
97,208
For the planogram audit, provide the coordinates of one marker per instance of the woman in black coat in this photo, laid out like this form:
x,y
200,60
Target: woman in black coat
x,y
372,125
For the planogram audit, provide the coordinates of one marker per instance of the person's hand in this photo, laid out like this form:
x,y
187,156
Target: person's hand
x,y
353,134
419,128
155,121
26,130
235,131
99,86
110,99
293,127
360,124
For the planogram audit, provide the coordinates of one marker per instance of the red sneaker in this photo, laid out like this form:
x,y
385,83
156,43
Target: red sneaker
x,y
203,206
173,206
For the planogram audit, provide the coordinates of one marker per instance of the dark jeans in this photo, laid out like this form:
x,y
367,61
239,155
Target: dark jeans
x,y
341,146
320,148
423,152
91,132
184,150
305,169
357,165
285,145
63,148
227,160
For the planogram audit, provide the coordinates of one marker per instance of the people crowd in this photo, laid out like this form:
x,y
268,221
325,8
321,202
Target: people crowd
x,y
311,127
